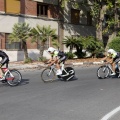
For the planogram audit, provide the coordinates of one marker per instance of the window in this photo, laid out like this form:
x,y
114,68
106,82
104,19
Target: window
x,y
13,45
89,18
75,16
12,6
42,10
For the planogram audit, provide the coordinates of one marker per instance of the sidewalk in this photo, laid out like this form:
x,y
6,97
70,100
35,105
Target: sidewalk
x,y
38,65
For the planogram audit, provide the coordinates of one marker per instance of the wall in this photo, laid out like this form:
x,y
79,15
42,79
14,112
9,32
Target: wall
x,y
7,22
2,5
71,29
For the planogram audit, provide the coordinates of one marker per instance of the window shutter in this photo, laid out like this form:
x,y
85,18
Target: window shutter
x,y
13,6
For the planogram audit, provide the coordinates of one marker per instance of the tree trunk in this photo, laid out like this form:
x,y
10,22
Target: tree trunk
x,y
24,47
42,48
99,29
71,48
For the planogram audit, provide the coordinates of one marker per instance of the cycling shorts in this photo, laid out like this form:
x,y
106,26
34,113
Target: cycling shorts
x,y
62,59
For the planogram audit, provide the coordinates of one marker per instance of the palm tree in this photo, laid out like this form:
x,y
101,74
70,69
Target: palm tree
x,y
74,42
21,32
40,35
69,41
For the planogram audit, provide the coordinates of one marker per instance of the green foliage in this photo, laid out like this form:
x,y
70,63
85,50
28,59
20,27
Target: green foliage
x,y
95,10
80,54
41,34
42,59
21,32
92,45
28,60
70,55
71,42
115,44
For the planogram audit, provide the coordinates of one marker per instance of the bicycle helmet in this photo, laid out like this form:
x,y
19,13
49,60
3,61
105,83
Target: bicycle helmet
x,y
111,51
51,49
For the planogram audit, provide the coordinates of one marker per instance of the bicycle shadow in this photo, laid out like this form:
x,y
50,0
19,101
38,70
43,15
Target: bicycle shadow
x,y
24,82
73,79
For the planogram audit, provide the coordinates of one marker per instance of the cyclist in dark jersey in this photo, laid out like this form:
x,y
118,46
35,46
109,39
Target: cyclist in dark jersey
x,y
5,60
56,57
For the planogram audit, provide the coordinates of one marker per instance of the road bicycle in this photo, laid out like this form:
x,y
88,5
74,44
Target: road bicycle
x,y
12,77
105,71
49,73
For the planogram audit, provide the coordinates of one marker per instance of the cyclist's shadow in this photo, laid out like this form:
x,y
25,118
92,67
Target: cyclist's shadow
x,y
73,79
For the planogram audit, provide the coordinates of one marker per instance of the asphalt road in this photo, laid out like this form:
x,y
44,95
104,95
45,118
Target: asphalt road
x,y
86,98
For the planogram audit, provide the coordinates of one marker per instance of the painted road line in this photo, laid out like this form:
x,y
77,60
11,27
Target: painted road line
x,y
110,114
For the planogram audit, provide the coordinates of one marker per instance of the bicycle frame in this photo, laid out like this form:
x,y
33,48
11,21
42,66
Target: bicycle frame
x,y
109,66
62,68
6,70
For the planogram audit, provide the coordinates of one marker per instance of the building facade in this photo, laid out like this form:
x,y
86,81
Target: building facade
x,y
43,12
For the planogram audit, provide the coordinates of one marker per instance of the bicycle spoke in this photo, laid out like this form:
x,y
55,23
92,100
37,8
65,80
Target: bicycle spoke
x,y
48,75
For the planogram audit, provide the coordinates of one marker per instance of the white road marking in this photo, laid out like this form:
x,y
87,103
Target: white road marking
x,y
110,114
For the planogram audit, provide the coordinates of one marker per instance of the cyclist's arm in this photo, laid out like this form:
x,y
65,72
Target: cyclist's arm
x,y
105,58
53,61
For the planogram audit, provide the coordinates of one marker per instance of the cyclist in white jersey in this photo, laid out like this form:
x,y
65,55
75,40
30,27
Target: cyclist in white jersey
x,y
114,58
56,57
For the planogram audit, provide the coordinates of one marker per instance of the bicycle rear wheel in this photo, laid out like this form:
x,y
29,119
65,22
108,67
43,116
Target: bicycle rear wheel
x,y
103,72
71,74
48,75
13,77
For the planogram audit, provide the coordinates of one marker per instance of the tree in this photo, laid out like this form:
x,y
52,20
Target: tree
x,y
70,41
92,45
21,32
115,44
100,8
41,35
74,42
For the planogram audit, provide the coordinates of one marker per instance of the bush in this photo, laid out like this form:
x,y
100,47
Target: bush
x,y
70,55
28,60
115,44
80,54
42,59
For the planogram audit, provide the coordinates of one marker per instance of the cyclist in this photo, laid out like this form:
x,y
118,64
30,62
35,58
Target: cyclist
x,y
56,57
5,60
114,58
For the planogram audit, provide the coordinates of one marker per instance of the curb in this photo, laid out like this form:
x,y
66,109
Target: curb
x,y
40,66
87,63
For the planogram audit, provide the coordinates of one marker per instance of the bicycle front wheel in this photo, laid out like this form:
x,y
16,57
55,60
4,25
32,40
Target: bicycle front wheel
x,y
13,77
103,72
48,75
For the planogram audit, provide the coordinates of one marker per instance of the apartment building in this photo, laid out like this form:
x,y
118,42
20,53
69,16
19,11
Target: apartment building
x,y
43,12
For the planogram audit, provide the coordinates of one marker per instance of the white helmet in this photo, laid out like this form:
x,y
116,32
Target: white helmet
x,y
111,51
51,49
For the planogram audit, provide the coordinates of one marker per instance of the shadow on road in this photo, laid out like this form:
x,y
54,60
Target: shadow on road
x,y
24,81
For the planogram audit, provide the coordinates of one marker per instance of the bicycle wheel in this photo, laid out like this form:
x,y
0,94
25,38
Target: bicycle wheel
x,y
71,74
48,75
13,77
103,72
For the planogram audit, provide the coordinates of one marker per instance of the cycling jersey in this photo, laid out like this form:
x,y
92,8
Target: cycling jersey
x,y
5,59
60,54
3,54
